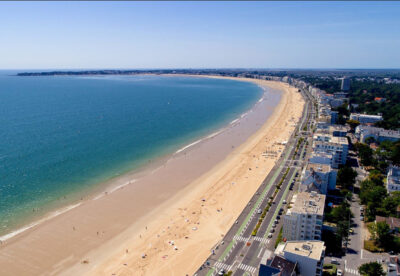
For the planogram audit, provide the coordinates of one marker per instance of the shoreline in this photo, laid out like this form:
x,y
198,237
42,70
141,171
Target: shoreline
x,y
109,186
108,245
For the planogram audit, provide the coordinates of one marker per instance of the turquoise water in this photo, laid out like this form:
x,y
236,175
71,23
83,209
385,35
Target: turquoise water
x,y
62,135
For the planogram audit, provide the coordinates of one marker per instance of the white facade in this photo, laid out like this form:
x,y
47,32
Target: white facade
x,y
393,179
309,255
338,147
304,220
318,176
365,118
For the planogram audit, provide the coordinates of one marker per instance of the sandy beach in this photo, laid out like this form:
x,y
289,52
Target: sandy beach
x,y
206,186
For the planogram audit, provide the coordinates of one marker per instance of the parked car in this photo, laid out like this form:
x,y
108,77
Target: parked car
x,y
273,225
272,230
284,202
270,235
362,218
339,272
221,272
259,211
335,261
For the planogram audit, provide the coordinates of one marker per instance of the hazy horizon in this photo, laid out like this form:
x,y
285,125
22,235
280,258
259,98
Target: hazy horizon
x,y
199,35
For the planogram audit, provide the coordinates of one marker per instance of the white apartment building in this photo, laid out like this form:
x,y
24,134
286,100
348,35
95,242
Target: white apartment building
x,y
365,118
304,220
338,147
309,255
318,176
393,179
379,134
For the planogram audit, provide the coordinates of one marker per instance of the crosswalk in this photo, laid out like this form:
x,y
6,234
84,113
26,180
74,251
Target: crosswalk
x,y
240,238
248,268
262,240
352,271
223,266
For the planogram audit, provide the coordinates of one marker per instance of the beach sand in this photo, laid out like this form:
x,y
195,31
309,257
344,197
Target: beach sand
x,y
202,198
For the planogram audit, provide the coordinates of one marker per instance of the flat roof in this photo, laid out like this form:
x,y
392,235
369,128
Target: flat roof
x,y
308,203
319,167
310,249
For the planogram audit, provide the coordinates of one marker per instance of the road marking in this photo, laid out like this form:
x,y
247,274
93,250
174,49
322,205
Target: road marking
x,y
248,268
240,238
222,266
351,271
262,240
259,253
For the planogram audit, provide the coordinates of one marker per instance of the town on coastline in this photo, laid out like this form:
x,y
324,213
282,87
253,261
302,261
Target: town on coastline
x,y
331,204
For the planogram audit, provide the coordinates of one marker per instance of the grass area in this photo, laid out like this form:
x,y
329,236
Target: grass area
x,y
371,246
329,270
279,239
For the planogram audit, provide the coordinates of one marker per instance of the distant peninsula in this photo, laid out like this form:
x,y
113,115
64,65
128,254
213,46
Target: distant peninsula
x,y
85,73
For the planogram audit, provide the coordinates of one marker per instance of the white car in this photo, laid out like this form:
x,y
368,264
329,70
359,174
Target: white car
x,y
221,272
362,218
259,211
270,235
334,261
339,272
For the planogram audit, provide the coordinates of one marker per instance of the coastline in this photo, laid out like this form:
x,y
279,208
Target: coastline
x,y
127,178
113,202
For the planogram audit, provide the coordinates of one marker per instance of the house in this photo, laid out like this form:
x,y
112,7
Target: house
x,y
379,99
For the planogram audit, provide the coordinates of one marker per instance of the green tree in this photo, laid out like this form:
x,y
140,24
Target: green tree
x,y
353,124
365,153
371,269
346,177
383,235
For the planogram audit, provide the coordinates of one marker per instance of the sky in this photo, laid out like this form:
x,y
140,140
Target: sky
x,y
128,35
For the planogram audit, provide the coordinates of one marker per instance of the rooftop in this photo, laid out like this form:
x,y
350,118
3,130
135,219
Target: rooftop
x,y
391,221
311,249
323,168
309,203
286,267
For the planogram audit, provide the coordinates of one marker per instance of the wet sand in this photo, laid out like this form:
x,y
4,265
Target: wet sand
x,y
192,198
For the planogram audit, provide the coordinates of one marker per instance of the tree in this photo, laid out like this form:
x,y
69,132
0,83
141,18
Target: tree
x,y
383,235
365,153
346,177
371,269
353,124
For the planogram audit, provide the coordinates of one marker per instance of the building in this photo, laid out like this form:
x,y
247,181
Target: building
x,y
338,147
345,86
320,177
363,132
279,266
380,100
304,220
338,130
321,158
309,255
365,118
393,179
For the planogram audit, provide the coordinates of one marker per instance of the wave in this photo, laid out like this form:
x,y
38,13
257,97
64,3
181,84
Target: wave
x,y
29,226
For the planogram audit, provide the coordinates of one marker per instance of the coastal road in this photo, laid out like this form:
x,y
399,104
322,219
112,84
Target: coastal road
x,y
240,251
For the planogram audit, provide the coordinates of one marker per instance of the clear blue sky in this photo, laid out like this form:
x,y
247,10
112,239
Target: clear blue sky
x,y
199,35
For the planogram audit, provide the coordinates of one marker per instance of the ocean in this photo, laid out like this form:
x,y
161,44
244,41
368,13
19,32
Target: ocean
x,y
60,137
